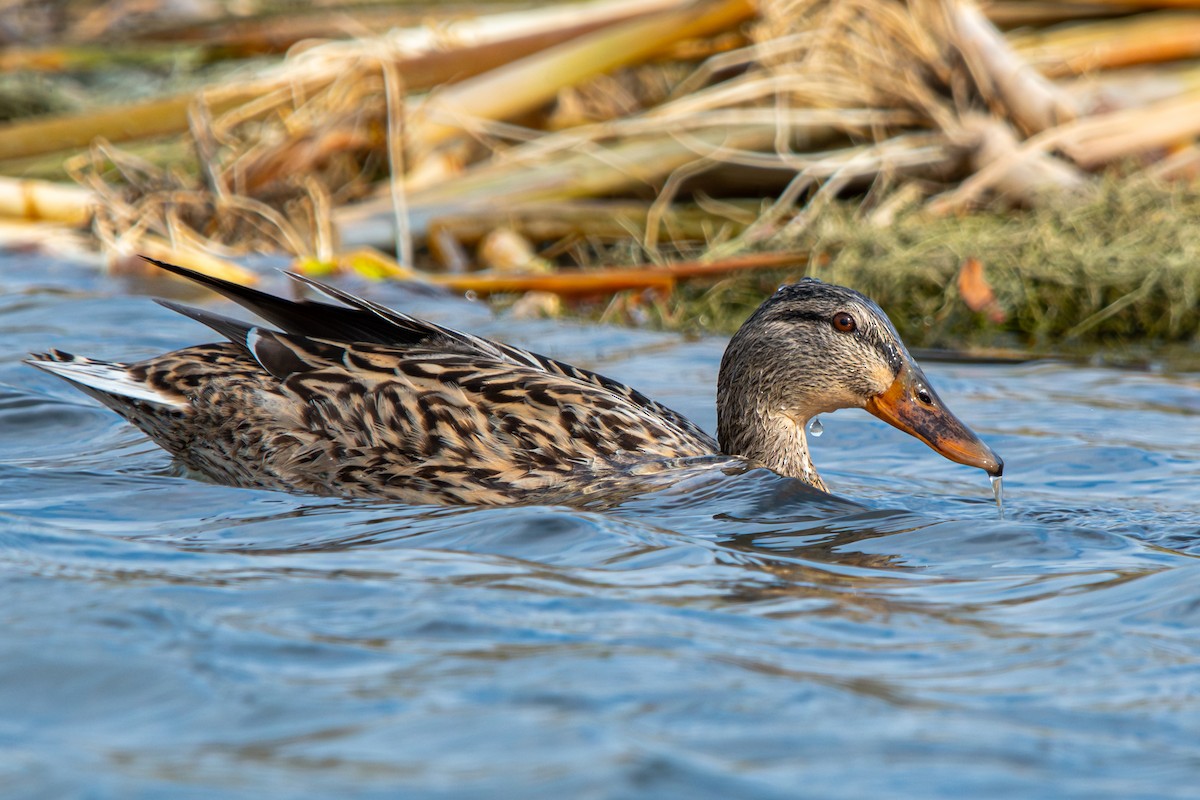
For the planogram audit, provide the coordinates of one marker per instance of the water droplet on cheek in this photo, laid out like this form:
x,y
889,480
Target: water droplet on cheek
x,y
815,427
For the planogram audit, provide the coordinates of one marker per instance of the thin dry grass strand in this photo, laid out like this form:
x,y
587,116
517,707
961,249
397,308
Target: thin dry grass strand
x,y
1117,306
666,195
742,57
205,142
395,132
324,235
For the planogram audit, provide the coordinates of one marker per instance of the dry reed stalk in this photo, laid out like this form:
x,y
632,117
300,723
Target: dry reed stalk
x,y
584,172
137,200
609,281
534,80
1133,86
819,71
287,133
837,77
460,32
261,167
268,31
830,93
48,238
155,247
1122,6
1020,179
579,283
421,54
143,120
598,220
1086,47
624,93
1105,138
1008,14
1182,166
37,201
1090,143
272,167
700,131
1004,78
599,169
269,173
82,57
504,251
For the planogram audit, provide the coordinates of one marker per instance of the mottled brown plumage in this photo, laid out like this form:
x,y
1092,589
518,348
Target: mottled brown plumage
x,y
359,400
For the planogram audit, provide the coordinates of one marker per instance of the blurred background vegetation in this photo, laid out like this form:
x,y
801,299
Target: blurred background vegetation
x,y
1004,178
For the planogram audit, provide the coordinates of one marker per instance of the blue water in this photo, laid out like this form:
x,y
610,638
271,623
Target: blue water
x,y
734,636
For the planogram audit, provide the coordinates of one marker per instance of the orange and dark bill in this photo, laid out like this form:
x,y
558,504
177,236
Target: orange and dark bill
x,y
912,406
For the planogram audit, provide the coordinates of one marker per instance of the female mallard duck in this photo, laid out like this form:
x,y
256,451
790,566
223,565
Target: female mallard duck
x,y
364,401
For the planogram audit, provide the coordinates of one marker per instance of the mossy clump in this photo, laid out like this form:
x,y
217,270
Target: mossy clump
x,y
1119,269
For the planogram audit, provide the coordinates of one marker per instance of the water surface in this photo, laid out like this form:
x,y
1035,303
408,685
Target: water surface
x,y
736,635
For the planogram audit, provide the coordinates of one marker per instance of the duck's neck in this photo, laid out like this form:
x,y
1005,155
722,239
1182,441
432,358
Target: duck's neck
x,y
775,440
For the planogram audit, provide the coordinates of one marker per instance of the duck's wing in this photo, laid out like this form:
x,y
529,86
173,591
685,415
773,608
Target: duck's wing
x,y
466,428
344,373
361,320
469,344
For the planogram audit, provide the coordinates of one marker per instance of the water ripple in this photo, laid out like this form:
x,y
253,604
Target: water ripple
x,y
732,634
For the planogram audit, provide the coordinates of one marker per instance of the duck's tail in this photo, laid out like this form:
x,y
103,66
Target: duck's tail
x,y
112,383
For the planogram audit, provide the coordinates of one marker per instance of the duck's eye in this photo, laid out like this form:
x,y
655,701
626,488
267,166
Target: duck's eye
x,y
924,396
844,323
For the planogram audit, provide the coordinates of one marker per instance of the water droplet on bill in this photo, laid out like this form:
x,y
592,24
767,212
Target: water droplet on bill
x,y
998,492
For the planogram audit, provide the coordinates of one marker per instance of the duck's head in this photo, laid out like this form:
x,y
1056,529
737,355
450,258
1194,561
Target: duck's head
x,y
812,348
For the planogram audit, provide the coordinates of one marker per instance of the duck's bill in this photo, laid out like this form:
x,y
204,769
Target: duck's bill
x,y
902,407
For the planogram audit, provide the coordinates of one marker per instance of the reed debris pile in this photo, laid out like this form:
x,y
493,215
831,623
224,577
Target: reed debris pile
x,y
521,150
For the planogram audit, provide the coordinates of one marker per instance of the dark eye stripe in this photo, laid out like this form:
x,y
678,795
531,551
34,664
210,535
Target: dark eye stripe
x,y
801,316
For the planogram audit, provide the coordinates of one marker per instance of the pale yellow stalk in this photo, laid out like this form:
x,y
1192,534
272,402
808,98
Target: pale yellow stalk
x,y
421,53
1090,142
1003,76
534,80
36,201
1088,46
